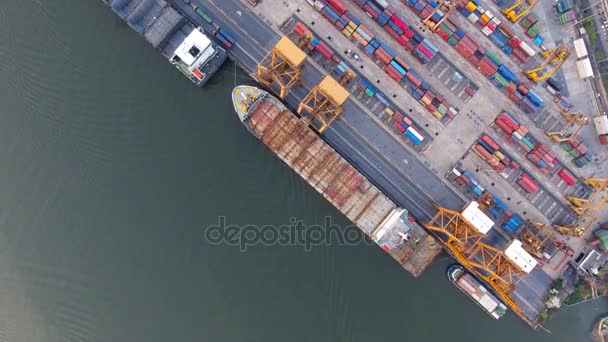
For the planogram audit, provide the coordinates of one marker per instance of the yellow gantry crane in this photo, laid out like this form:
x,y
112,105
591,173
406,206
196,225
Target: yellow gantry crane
x,y
532,242
583,205
513,15
445,6
486,262
323,104
282,64
578,228
578,120
555,58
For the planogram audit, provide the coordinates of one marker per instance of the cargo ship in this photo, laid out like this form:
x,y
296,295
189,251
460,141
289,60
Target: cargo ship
x,y
296,144
473,288
185,45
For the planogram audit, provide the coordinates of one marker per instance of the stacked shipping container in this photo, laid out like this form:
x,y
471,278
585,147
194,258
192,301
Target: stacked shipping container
x,y
422,49
492,68
402,123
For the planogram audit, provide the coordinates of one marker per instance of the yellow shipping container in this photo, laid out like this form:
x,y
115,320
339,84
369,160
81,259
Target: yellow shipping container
x,y
389,111
484,18
438,114
347,32
426,100
499,155
352,25
470,6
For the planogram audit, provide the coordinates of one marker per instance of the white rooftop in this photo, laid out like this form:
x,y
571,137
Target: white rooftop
x,y
584,68
601,124
520,257
193,46
580,48
477,218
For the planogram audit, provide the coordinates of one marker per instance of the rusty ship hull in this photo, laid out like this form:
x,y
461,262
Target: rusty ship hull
x,y
298,146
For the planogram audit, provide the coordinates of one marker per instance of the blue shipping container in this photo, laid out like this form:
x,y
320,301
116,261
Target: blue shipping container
x,y
412,137
537,100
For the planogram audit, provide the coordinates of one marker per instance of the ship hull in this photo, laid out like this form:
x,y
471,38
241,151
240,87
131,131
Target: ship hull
x,y
478,293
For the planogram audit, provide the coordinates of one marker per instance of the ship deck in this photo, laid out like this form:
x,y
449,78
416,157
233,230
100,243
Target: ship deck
x,y
337,180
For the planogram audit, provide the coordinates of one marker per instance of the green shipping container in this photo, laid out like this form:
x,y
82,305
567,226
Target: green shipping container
x,y
445,29
501,79
453,40
369,92
566,147
493,58
574,153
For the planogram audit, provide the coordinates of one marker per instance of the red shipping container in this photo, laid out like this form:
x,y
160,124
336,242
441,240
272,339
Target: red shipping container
x,y
371,12
413,79
324,50
400,23
507,120
520,55
401,40
504,28
400,128
582,148
504,126
490,142
483,153
338,6
443,35
567,177
397,117
409,46
514,42
604,139
514,165
408,33
393,73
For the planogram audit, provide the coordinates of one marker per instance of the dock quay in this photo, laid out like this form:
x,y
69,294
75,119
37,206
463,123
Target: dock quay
x,y
435,173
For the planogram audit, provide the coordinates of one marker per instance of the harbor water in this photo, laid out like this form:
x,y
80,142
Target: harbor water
x,y
114,166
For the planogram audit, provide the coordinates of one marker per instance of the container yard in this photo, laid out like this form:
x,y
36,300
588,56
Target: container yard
x,y
449,126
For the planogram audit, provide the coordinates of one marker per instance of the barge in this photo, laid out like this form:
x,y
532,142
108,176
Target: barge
x,y
473,288
187,46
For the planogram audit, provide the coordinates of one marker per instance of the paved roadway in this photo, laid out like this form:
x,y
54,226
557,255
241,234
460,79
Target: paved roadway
x,y
394,169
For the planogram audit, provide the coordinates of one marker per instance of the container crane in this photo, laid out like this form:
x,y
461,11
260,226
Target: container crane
x,y
463,240
532,242
282,64
323,104
447,7
583,205
578,228
485,201
555,58
578,120
513,15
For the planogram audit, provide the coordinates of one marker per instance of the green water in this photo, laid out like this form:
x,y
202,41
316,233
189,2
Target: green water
x,y
113,164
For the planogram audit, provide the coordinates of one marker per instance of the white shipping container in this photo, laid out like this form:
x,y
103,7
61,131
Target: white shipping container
x,y
496,21
456,172
473,18
490,14
453,110
382,3
311,2
580,48
481,9
601,124
527,49
584,68
516,136
319,6
488,303
415,132
487,31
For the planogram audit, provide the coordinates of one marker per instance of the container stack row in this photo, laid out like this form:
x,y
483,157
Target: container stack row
x,y
512,225
577,149
497,209
405,126
532,25
493,154
491,67
399,70
403,123
527,183
497,31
